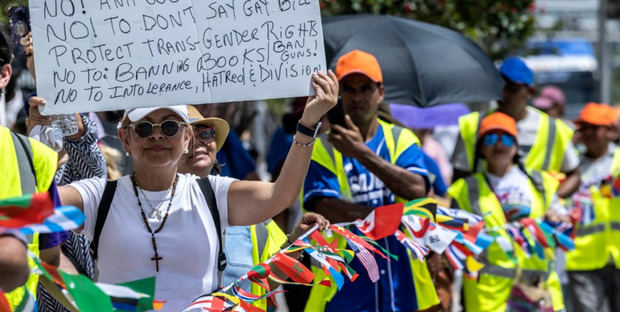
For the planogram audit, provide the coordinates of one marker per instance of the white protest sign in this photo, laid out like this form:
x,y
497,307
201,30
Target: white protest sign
x,y
94,55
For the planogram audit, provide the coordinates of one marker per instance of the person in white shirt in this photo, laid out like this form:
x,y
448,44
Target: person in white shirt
x,y
159,223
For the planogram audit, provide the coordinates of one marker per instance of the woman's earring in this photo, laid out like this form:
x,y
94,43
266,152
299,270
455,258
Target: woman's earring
x,y
127,154
186,151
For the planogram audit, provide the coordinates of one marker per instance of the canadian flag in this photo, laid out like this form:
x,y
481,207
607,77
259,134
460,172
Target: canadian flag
x,y
382,222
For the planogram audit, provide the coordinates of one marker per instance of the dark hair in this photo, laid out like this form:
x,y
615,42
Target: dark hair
x,y
10,89
6,49
217,168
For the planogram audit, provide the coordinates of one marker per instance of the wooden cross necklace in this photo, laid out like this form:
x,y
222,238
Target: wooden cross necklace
x,y
156,257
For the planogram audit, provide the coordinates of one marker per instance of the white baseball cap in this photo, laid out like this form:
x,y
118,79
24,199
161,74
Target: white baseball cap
x,y
136,114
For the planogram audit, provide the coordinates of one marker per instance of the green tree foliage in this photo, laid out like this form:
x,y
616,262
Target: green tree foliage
x,y
498,26
4,8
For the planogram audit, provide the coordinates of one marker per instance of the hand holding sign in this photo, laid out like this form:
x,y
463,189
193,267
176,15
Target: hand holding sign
x,y
326,90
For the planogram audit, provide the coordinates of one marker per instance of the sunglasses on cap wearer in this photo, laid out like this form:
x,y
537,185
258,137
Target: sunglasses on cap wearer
x,y
204,134
145,129
492,138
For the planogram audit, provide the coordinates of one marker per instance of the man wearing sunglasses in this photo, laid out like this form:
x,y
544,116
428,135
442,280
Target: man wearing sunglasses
x,y
544,142
505,192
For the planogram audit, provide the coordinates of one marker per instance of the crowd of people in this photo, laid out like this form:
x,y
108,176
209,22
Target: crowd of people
x,y
192,210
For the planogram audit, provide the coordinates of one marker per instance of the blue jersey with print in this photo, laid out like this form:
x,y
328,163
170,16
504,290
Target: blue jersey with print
x,y
395,290
366,188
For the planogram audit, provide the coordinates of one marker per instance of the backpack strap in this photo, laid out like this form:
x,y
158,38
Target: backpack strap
x,y
23,151
207,191
102,215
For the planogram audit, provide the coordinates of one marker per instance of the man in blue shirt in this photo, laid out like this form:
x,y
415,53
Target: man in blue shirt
x,y
381,164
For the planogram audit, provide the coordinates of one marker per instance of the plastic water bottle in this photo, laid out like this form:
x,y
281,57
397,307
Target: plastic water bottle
x,y
64,125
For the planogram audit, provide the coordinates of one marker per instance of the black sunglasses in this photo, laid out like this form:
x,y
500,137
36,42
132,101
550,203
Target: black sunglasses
x,y
145,129
204,135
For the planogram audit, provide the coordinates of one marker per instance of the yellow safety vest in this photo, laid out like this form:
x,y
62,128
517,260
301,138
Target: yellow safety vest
x,y
397,140
18,177
547,152
267,238
492,290
596,242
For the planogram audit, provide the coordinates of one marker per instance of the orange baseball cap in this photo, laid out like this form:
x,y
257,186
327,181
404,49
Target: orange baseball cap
x,y
358,61
597,114
498,121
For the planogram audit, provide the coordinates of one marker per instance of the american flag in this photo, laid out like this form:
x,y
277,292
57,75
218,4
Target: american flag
x,y
367,260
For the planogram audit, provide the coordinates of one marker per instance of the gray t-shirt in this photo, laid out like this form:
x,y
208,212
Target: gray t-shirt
x,y
528,129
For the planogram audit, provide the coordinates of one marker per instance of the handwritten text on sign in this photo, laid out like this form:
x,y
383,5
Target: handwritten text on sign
x,y
94,55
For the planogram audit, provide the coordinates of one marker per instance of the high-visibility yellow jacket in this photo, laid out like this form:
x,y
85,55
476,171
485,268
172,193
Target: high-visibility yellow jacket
x,y
267,238
397,140
546,154
598,241
492,290
26,166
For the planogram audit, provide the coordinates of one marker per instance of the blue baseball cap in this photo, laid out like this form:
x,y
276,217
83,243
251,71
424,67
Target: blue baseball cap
x,y
515,70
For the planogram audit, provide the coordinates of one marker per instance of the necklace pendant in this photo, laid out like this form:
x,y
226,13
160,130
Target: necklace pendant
x,y
156,215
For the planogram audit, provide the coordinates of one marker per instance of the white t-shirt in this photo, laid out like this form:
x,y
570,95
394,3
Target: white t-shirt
x,y
186,242
513,192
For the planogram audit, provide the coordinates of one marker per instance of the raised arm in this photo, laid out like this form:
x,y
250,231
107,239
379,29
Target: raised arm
x,y
337,210
250,202
404,183
85,158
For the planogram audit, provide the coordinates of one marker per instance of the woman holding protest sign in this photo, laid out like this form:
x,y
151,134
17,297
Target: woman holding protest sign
x,y
159,222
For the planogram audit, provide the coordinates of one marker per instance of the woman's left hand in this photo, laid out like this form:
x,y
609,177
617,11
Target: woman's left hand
x,y
326,96
308,220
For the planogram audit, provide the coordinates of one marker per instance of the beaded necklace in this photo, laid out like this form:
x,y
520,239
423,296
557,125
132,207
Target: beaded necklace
x,y
156,257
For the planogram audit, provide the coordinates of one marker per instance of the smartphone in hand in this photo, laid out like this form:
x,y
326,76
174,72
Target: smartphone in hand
x,y
336,115
19,18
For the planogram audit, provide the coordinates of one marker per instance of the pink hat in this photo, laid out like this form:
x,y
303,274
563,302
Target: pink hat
x,y
549,96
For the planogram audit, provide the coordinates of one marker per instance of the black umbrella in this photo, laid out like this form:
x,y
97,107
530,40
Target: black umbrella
x,y
422,64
